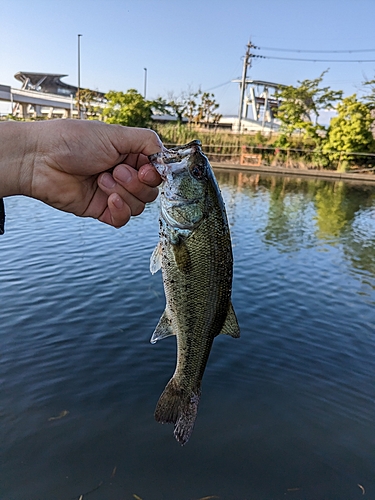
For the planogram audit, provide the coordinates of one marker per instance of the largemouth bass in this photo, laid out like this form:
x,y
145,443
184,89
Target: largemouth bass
x,y
195,255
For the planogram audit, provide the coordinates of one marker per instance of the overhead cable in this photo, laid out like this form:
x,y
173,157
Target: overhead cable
x,y
217,86
346,51
320,60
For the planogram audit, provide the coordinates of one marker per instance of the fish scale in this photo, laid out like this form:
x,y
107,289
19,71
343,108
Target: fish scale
x,y
195,255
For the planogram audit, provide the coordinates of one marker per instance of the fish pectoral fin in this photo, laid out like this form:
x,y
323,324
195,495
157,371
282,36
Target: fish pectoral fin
x,y
163,329
231,326
155,260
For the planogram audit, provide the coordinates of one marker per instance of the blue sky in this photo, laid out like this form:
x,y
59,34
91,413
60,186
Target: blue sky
x,y
185,44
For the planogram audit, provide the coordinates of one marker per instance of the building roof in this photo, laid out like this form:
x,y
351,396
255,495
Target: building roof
x,y
261,82
45,82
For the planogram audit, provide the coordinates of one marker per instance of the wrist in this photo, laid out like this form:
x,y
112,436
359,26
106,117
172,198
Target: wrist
x,y
17,152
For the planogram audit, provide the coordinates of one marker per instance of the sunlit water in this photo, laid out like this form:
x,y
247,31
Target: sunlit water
x,y
287,410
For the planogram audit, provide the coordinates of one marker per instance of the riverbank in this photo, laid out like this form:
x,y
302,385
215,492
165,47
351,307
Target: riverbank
x,y
298,172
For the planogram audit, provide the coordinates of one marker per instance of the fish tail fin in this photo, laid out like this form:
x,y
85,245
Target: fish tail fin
x,y
177,407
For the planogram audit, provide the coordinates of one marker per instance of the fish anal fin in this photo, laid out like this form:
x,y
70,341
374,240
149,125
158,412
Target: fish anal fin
x,y
231,326
163,328
155,260
177,407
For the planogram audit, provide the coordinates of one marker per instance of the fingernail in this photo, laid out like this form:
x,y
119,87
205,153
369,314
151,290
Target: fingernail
x,y
150,176
118,202
107,180
122,174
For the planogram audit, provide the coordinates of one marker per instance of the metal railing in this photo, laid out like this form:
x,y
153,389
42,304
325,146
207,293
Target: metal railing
x,y
286,157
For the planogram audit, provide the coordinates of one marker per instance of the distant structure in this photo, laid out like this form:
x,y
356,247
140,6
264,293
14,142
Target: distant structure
x,y
46,95
257,113
257,96
41,94
49,83
259,104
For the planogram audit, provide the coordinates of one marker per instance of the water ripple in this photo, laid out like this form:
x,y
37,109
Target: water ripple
x,y
292,399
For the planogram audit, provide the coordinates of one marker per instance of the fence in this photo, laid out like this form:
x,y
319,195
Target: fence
x,y
288,157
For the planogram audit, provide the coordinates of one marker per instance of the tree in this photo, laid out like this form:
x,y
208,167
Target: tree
x,y
89,102
207,108
300,107
130,109
180,106
192,109
350,130
176,106
196,106
370,98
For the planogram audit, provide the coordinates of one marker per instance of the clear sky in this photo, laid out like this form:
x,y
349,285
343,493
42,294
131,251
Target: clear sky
x,y
191,43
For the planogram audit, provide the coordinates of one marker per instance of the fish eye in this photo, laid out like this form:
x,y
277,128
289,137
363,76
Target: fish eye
x,y
198,171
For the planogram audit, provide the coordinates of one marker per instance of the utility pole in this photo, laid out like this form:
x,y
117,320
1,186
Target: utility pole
x,y
79,77
246,64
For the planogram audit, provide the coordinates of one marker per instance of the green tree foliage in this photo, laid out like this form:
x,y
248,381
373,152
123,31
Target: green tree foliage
x,y
130,109
192,106
370,98
89,103
207,109
350,130
300,107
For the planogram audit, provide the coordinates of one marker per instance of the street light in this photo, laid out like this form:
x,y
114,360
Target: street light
x,y
145,83
79,77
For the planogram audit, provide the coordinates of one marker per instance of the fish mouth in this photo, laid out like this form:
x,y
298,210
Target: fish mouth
x,y
173,160
167,167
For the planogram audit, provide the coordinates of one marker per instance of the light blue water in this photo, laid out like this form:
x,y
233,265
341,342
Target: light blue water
x,y
287,411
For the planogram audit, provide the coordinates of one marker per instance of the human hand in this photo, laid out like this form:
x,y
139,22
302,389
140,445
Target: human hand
x,y
66,162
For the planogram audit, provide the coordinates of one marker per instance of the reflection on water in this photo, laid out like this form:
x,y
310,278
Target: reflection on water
x,y
335,212
287,411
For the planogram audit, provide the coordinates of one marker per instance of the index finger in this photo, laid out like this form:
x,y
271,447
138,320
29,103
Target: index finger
x,y
136,161
128,140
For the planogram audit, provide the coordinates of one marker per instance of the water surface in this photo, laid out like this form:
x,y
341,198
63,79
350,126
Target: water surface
x,y
287,411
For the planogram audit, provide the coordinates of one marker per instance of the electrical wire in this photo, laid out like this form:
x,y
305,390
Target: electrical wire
x,y
319,60
347,51
217,86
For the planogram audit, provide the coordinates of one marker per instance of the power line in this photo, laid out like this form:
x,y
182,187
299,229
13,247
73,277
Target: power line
x,y
217,86
319,60
347,51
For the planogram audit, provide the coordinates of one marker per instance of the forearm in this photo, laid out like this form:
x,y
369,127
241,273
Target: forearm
x,y
16,156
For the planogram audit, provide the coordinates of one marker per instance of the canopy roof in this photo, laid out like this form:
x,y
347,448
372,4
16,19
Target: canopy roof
x,y
45,82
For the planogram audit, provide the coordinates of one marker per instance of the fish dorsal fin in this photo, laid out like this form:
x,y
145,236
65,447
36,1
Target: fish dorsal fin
x,y
155,260
231,326
163,329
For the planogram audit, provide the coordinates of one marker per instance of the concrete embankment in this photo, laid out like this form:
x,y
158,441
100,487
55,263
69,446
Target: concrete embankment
x,y
362,178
